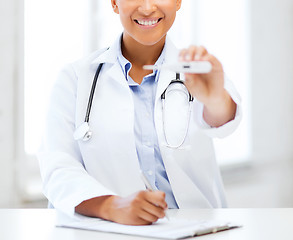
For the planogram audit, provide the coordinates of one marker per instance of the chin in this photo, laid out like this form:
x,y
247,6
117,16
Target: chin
x,y
151,41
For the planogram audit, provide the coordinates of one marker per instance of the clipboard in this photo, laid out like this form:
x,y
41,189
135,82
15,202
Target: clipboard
x,y
163,228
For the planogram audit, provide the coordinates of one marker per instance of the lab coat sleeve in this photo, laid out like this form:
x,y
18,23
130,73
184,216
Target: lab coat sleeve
x,y
229,127
66,183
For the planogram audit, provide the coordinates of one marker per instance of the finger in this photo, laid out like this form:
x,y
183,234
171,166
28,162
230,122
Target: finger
x,y
157,198
182,55
147,216
208,57
154,210
187,55
200,52
195,53
192,51
137,221
216,64
146,209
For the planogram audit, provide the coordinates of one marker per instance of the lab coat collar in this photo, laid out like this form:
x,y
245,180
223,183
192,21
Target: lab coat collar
x,y
171,51
111,56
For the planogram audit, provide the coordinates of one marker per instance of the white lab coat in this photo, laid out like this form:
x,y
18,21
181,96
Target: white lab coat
x,y
73,171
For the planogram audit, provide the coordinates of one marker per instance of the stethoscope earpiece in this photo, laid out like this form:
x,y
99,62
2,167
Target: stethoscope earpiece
x,y
83,132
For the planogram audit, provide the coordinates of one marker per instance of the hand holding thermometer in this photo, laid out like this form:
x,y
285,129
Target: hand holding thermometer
x,y
199,67
149,186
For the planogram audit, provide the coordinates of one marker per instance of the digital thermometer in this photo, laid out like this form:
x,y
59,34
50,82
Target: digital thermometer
x,y
198,67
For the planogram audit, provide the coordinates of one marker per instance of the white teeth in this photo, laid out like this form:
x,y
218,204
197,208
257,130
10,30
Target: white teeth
x,y
147,23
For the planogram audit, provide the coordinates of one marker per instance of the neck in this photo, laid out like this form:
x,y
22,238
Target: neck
x,y
139,54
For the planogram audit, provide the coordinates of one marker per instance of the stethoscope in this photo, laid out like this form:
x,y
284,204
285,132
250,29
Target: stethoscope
x,y
84,133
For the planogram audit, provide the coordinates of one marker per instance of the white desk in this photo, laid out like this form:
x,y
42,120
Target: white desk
x,y
258,224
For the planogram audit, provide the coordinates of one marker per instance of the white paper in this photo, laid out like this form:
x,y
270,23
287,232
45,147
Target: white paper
x,y
163,228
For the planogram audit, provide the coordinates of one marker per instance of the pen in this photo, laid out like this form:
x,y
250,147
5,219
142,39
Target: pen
x,y
149,187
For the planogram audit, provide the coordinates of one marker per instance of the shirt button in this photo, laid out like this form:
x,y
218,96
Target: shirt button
x,y
149,144
150,172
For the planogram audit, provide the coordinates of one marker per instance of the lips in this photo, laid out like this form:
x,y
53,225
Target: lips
x,y
147,22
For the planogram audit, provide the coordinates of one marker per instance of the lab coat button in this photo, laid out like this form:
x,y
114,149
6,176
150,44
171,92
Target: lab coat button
x,y
150,172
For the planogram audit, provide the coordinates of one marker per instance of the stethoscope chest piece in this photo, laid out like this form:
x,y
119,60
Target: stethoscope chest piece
x,y
83,132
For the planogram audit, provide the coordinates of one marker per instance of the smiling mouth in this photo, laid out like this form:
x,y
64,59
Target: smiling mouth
x,y
147,22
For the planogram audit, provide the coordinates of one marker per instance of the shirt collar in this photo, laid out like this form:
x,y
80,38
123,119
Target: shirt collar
x,y
126,65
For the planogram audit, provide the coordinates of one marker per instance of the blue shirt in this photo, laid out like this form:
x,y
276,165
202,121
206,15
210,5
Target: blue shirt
x,y
146,139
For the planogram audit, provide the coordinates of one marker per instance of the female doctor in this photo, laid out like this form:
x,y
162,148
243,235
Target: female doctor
x,y
134,129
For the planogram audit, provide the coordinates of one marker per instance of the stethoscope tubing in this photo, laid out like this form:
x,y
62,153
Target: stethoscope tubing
x,y
92,93
87,135
186,129
163,98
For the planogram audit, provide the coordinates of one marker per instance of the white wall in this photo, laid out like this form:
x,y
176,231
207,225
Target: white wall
x,y
8,87
268,181
265,184
272,78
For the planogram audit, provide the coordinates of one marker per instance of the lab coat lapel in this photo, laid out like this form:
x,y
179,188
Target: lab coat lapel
x,y
115,73
187,194
166,76
110,56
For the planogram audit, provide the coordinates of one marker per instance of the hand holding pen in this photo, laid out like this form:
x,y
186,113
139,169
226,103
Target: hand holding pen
x,y
149,187
140,208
